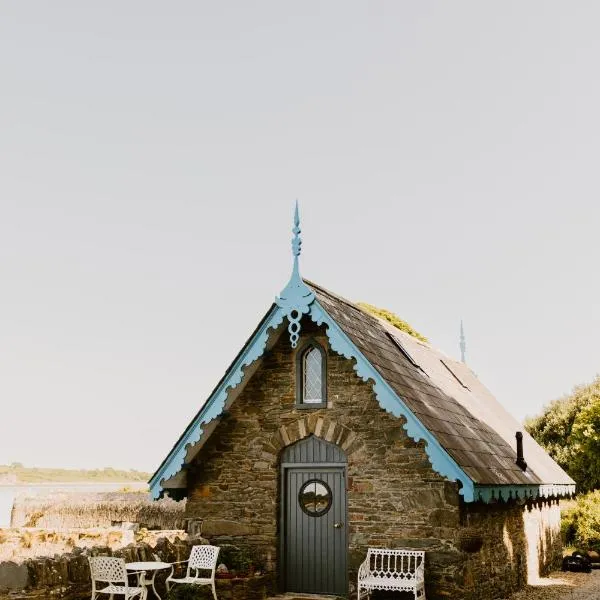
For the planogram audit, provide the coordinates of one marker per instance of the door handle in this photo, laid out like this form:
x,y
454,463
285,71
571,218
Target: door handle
x,y
338,525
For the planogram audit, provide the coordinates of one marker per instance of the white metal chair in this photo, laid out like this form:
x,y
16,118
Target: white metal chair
x,y
202,558
112,571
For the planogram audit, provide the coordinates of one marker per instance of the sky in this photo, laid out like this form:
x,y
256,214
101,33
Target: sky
x,y
445,156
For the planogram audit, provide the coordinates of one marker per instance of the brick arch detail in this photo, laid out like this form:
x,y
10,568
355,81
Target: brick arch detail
x,y
316,424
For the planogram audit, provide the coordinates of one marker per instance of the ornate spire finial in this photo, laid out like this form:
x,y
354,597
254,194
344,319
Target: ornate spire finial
x,y
463,343
296,240
296,297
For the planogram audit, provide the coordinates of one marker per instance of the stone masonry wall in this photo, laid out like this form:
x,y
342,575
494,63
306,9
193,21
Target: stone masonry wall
x,y
20,544
507,546
395,499
67,576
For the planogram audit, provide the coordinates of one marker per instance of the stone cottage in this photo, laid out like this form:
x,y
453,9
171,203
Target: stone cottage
x,y
333,431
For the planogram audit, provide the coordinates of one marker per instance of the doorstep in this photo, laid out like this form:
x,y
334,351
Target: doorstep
x,y
296,596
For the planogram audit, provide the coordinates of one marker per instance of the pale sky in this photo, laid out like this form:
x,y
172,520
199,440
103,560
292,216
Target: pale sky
x,y
445,155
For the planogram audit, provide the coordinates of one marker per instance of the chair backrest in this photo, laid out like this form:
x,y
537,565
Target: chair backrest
x,y
204,557
108,568
384,562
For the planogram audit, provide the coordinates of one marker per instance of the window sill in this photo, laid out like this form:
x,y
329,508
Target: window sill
x,y
311,405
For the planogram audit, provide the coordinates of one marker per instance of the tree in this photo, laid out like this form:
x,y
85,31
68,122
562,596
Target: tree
x,y
569,430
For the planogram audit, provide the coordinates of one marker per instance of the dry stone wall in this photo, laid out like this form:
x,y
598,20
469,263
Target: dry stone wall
x,y
67,576
395,499
21,544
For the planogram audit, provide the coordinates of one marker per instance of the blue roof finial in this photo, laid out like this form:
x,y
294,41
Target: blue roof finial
x,y
296,240
296,297
463,343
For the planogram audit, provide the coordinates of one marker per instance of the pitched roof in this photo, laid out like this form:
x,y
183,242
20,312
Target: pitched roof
x,y
448,398
469,435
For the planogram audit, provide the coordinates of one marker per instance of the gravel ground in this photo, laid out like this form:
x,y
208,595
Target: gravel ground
x,y
563,586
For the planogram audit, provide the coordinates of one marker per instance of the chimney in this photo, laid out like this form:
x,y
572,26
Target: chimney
x,y
520,460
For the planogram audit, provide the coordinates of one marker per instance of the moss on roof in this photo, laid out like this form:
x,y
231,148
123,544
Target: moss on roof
x,y
392,318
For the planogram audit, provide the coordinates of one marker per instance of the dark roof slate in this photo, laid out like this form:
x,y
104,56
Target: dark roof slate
x,y
444,395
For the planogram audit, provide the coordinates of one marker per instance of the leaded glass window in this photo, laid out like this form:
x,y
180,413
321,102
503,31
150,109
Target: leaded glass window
x,y
312,376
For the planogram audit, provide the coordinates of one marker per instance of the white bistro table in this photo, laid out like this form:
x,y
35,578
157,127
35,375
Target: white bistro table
x,y
152,566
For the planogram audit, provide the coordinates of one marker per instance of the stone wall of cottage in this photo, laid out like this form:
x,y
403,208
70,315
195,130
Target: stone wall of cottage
x,y
506,546
395,499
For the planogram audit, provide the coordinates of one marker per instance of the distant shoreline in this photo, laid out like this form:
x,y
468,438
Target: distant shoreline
x,y
73,483
18,474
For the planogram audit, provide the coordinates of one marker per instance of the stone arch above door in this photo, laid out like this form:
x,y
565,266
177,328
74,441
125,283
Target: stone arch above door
x,y
318,425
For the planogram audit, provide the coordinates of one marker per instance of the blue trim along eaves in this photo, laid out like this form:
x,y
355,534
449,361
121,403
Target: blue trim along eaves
x,y
216,403
504,493
390,401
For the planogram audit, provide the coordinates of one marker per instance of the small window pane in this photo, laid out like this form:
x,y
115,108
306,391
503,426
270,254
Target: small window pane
x,y
312,366
315,498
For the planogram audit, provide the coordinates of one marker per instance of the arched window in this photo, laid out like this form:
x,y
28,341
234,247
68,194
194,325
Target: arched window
x,y
311,383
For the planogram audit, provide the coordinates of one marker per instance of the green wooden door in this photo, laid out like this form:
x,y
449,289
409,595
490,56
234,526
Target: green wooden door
x,y
314,524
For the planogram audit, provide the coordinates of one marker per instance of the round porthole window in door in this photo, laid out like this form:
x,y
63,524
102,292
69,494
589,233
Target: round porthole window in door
x,y
315,498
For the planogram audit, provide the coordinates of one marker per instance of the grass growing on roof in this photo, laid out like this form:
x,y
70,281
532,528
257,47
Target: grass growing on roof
x,y
392,318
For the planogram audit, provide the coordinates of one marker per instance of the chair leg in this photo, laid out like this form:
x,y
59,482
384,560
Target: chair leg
x,y
367,595
214,591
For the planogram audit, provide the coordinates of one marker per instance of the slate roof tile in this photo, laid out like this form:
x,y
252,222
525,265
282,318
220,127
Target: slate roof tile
x,y
447,398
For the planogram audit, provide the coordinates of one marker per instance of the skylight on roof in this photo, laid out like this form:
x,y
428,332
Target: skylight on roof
x,y
404,351
455,375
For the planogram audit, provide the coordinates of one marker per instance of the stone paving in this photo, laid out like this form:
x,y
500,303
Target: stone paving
x,y
563,586
558,586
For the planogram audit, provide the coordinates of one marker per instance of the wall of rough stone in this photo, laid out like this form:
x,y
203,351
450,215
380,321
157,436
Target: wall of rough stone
x,y
507,546
20,544
395,499
67,576
544,540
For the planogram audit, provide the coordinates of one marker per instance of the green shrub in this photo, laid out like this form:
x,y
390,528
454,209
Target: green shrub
x,y
187,591
241,560
580,523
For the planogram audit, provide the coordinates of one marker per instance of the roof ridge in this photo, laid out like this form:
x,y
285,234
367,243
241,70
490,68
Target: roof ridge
x,y
384,323
334,295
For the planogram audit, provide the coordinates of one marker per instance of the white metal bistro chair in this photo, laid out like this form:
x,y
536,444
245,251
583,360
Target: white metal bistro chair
x,y
202,558
111,570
